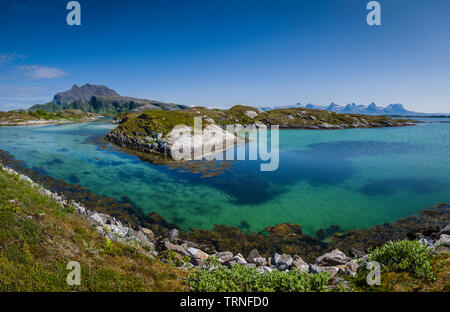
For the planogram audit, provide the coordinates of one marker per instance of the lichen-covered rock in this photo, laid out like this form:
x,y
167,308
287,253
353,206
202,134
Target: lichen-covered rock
x,y
299,264
225,256
332,270
239,259
259,261
252,255
285,262
335,257
173,235
197,254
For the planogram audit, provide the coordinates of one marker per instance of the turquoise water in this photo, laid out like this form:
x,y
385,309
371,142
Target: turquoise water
x,y
353,178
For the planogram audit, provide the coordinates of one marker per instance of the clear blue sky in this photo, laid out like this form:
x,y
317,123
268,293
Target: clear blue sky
x,y
226,52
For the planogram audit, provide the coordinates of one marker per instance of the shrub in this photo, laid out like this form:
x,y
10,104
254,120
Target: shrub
x,y
405,256
240,278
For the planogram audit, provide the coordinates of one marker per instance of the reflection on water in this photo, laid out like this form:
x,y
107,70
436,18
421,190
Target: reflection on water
x,y
346,178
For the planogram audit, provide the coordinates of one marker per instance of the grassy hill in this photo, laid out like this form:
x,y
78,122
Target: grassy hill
x,y
293,118
38,238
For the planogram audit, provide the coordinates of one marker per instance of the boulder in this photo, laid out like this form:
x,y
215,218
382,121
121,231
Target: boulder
x,y
444,240
177,248
143,239
328,269
350,268
252,255
285,262
275,259
119,231
197,254
173,235
251,114
225,256
299,264
149,234
259,261
98,219
335,257
239,259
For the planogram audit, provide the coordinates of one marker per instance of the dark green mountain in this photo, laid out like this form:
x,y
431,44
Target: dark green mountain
x,y
101,100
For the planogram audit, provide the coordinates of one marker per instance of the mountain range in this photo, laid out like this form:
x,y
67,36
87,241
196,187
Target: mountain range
x,y
353,108
101,100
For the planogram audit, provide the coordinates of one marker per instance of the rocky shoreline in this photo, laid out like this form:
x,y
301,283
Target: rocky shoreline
x,y
191,254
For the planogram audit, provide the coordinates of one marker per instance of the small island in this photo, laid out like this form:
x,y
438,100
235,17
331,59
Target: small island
x,y
152,130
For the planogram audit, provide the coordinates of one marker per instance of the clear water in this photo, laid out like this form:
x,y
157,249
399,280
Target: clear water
x,y
353,178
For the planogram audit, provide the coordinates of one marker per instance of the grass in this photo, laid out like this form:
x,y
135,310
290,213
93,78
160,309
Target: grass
x,y
38,238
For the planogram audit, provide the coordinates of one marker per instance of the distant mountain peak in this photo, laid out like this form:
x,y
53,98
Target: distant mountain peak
x,y
83,93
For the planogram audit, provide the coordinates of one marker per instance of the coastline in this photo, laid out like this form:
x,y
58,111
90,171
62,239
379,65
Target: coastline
x,y
282,238
334,262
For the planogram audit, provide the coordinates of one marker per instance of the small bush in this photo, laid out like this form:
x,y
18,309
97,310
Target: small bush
x,y
405,256
240,278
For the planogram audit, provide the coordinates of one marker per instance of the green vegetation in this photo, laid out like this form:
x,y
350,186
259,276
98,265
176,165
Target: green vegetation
x,y
38,238
218,278
405,256
106,105
12,118
137,124
407,266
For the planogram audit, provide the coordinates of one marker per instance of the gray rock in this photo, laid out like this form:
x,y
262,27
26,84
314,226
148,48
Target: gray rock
x,y
119,231
225,256
197,254
285,262
149,233
177,248
239,259
144,240
444,240
299,264
335,257
173,235
251,114
98,219
251,265
252,255
259,261
318,269
350,268
275,259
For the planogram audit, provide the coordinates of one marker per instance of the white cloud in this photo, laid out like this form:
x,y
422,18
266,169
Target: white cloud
x,y
7,58
41,71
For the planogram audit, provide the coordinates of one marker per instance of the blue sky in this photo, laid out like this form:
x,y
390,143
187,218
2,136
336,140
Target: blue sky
x,y
221,53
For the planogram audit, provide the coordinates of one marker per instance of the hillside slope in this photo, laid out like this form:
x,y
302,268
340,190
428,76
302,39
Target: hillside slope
x,y
38,238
